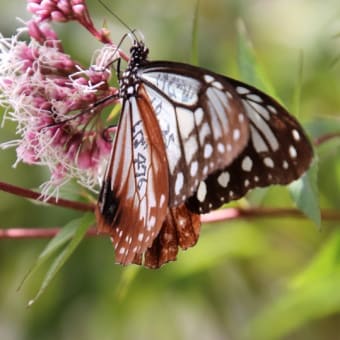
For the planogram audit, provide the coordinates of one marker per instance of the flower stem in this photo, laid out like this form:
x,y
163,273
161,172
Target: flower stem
x,y
326,137
15,190
215,216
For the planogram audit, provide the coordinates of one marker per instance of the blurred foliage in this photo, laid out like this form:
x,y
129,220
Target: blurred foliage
x,y
255,279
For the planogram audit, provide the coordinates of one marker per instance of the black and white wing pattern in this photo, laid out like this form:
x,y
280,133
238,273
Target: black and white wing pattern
x,y
203,122
188,141
278,152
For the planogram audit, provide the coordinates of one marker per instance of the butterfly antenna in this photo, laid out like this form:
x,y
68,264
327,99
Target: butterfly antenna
x,y
116,16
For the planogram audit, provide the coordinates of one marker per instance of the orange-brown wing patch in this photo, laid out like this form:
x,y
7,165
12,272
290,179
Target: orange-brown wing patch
x,y
134,198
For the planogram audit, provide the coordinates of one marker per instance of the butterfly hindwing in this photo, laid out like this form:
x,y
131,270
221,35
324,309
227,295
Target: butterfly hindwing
x,y
278,152
180,229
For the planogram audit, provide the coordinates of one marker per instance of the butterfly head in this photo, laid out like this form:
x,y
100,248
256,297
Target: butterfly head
x,y
139,52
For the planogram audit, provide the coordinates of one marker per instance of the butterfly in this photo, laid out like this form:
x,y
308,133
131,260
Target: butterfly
x,y
188,141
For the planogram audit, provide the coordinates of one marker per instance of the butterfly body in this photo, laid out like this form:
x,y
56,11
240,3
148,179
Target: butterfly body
x,y
188,141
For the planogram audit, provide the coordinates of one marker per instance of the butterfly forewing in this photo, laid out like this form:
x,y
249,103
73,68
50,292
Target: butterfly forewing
x,y
203,122
134,198
278,152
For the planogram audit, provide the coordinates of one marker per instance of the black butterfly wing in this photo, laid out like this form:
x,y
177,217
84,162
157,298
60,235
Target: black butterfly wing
x,y
278,152
203,122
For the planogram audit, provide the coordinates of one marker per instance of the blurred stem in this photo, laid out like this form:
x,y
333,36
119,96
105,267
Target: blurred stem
x,y
326,137
26,193
22,233
215,216
235,213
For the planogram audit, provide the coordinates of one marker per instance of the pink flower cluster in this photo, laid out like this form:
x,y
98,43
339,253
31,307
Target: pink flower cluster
x,y
55,101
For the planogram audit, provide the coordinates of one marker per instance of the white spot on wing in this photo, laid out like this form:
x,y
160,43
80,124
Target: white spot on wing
x,y
218,85
242,90
201,191
220,147
152,221
268,162
193,168
185,121
205,170
296,134
179,183
272,109
162,200
208,78
208,150
223,179
236,134
247,164
198,115
254,97
292,151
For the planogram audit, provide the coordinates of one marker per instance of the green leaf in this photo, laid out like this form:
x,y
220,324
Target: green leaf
x,y
75,232
128,276
249,67
305,194
314,294
64,235
194,36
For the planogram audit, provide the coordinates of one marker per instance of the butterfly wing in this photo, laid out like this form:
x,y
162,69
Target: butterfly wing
x,y
180,229
189,136
133,201
203,122
278,152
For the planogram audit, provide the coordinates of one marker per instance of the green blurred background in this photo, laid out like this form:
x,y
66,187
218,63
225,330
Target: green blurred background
x,y
254,279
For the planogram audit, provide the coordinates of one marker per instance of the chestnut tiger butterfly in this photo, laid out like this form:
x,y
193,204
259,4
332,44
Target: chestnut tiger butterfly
x,y
188,141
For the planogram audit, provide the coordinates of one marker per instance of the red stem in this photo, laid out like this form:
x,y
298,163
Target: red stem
x,y
235,213
15,190
216,216
326,137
